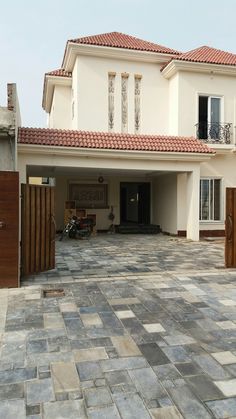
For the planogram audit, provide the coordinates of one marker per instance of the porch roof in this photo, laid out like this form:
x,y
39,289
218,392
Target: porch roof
x,y
111,141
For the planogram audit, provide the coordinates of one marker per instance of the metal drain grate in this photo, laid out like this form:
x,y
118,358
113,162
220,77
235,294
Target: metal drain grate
x,y
53,293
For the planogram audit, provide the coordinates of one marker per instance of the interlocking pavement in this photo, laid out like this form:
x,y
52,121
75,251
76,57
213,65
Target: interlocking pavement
x,y
146,329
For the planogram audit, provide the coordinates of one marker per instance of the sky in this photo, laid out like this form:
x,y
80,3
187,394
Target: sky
x,y
33,35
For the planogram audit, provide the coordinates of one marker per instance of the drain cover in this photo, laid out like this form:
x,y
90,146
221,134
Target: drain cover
x,y
53,293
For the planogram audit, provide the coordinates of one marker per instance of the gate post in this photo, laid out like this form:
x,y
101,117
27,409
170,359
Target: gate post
x,y
230,228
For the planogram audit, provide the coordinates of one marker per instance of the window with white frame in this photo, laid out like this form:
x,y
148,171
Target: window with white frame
x,y
210,192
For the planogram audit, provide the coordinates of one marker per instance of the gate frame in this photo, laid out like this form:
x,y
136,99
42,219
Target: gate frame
x,y
37,229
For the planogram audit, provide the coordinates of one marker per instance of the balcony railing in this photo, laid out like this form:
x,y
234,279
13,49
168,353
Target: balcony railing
x,y
214,132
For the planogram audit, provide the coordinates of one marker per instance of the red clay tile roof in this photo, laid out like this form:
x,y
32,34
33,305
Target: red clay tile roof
x,y
110,141
207,54
120,40
60,72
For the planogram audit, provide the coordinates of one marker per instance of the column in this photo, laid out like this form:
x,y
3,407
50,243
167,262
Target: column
x,y
192,204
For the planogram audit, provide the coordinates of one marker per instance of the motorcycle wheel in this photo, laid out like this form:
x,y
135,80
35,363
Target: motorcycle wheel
x,y
72,233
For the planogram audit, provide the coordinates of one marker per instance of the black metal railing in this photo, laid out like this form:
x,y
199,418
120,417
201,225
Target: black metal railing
x,y
214,132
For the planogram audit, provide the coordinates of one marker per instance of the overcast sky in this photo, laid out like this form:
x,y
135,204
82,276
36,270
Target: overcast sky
x,y
33,35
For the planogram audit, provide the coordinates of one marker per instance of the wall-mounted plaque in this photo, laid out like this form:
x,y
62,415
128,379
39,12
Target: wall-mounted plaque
x,y
88,195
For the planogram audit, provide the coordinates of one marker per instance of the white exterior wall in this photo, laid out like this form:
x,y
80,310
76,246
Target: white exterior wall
x,y
90,85
174,105
224,168
60,115
190,86
165,202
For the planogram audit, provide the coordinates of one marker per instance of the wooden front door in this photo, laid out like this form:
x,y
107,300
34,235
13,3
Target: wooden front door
x,y
38,229
9,229
230,228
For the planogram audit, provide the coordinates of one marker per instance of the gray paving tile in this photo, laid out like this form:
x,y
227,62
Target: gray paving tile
x,y
107,412
176,354
225,408
204,388
12,409
131,406
166,372
188,368
40,391
153,354
211,367
72,409
89,370
118,377
188,404
17,375
147,383
97,396
11,391
123,363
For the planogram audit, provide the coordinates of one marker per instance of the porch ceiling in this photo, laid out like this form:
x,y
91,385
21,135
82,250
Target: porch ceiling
x,y
49,171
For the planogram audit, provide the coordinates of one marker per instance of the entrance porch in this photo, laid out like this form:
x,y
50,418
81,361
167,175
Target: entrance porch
x,y
144,190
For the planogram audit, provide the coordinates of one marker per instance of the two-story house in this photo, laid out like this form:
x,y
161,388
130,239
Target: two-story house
x,y
141,128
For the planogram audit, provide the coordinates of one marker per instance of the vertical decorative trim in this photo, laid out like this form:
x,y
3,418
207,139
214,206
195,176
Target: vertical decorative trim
x,y
111,106
124,102
137,111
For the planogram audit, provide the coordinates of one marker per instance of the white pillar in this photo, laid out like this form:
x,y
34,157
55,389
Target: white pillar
x,y
192,201
21,167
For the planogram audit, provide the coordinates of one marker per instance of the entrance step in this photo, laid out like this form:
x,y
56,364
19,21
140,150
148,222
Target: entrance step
x,y
138,229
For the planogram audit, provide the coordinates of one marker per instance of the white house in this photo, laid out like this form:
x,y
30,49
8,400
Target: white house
x,y
124,118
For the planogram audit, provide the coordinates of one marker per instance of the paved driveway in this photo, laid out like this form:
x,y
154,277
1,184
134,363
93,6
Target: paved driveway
x,y
146,328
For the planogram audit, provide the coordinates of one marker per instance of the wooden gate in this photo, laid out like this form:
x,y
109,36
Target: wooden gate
x,y
38,229
9,229
230,228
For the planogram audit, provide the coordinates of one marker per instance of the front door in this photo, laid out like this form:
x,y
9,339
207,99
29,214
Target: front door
x,y
9,229
134,203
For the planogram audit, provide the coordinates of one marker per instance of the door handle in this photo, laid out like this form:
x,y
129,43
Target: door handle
x,y
2,225
229,222
53,222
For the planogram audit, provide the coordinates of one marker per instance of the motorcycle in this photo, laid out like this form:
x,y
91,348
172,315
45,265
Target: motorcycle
x,y
77,228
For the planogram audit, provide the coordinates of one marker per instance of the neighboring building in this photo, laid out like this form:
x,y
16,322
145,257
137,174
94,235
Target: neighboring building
x,y
123,118
9,122
9,191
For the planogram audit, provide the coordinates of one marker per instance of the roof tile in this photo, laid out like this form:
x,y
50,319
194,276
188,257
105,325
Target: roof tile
x,y
120,40
208,55
59,72
110,141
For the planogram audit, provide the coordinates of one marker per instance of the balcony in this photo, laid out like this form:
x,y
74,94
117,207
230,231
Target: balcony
x,y
214,132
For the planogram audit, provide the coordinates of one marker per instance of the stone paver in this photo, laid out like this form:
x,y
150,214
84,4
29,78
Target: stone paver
x,y
65,377
146,329
125,346
39,391
228,387
72,409
107,412
12,409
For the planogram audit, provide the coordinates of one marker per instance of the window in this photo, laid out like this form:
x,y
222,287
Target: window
x,y
209,117
45,180
210,190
